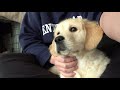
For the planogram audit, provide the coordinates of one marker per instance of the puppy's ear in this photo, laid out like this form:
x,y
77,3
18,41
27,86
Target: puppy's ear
x,y
94,34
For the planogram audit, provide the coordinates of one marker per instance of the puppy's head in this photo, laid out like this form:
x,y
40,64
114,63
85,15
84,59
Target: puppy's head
x,y
74,35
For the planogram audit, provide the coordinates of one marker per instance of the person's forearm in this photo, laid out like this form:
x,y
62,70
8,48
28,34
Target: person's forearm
x,y
110,22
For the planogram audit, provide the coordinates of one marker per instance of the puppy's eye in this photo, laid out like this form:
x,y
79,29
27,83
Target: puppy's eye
x,y
58,33
73,29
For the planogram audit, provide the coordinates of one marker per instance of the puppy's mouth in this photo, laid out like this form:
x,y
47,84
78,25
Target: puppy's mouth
x,y
60,47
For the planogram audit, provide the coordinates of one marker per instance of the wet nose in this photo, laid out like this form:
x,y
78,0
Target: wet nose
x,y
59,39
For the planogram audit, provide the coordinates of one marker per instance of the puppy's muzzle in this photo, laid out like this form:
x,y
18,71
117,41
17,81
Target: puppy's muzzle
x,y
60,43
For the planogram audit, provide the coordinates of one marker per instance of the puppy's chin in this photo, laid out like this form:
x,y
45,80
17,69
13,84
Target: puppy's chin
x,y
67,52
61,49
63,53
64,50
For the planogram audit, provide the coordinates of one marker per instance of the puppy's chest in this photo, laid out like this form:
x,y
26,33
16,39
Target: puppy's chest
x,y
86,66
91,67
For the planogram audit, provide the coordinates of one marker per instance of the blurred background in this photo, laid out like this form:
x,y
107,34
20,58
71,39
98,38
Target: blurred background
x,y
9,31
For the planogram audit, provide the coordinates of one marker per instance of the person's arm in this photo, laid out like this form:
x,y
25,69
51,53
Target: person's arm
x,y
31,39
110,22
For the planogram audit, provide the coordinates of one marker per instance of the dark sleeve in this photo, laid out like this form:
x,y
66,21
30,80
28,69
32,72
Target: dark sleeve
x,y
31,39
94,16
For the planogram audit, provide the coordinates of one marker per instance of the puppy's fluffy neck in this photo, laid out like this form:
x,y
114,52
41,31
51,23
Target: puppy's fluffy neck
x,y
81,53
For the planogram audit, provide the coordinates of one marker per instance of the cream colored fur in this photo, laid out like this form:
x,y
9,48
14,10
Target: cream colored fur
x,y
81,44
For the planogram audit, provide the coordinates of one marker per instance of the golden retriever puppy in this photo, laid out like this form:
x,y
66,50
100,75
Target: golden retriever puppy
x,y
80,37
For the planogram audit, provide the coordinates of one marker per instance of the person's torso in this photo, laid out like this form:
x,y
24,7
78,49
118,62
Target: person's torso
x,y
50,19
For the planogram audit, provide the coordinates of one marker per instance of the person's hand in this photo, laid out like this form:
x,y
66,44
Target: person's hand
x,y
65,65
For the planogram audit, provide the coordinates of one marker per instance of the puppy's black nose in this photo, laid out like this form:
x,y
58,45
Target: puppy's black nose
x,y
59,39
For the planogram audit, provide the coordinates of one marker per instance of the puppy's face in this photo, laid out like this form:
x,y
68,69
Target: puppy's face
x,y
69,36
72,35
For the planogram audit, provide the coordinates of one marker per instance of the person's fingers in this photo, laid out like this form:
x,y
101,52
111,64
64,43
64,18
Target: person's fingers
x,y
68,59
68,74
53,59
60,59
66,65
70,70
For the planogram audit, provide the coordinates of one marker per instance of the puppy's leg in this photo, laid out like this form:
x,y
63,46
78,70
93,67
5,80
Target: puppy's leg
x,y
54,70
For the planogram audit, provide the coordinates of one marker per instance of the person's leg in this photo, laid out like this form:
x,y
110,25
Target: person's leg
x,y
18,65
113,69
